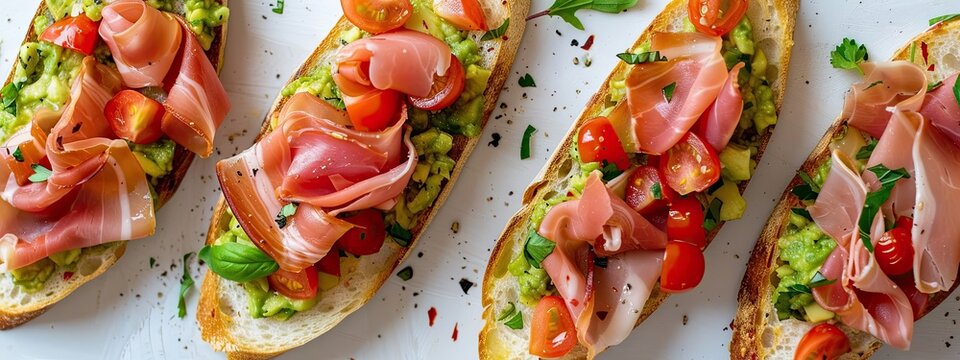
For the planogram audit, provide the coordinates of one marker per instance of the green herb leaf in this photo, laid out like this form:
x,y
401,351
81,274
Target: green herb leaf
x,y
8,97
668,91
640,58
709,224
875,83
537,248
400,235
17,155
798,289
279,8
527,81
186,282
567,9
498,32
888,178
153,262
867,150
511,317
819,280
610,171
405,273
238,262
657,191
942,18
285,212
934,86
849,55
802,212
956,91
40,173
525,142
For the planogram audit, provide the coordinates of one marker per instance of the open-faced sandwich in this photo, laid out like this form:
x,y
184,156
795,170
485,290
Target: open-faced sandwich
x,y
865,239
642,182
355,157
106,107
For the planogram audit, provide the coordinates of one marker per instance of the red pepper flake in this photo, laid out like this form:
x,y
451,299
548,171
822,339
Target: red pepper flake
x,y
455,332
923,51
432,314
67,275
588,43
932,67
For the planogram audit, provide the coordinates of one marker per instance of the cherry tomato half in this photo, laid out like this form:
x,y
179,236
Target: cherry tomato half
x,y
646,191
894,252
685,222
822,342
330,263
690,165
375,110
683,267
134,117
446,89
367,236
377,16
464,14
552,332
597,141
300,285
918,300
710,19
75,33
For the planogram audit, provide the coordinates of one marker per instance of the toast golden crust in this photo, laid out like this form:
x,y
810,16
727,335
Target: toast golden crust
x,y
756,289
214,322
785,16
165,188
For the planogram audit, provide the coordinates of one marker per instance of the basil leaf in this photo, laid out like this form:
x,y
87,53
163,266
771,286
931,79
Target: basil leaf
x,y
525,142
867,150
537,248
819,280
657,191
610,171
186,282
888,179
17,155
511,317
668,91
848,55
8,97
942,18
797,289
405,273
956,91
400,235
640,58
40,173
802,212
285,212
567,9
238,262
527,81
498,32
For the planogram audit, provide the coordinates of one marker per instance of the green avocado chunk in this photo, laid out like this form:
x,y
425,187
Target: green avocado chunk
x,y
803,250
31,278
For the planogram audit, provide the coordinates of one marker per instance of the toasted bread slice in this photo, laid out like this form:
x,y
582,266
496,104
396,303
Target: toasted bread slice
x,y
757,331
773,23
17,306
222,314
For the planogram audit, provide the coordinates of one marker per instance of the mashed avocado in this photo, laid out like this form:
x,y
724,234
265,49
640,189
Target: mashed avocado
x,y
533,282
803,249
318,82
42,79
31,278
433,167
156,158
204,15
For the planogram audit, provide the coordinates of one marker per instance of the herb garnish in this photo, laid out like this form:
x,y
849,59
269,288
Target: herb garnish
x,y
498,32
819,280
956,91
875,83
808,190
943,18
888,178
610,171
511,317
657,191
153,262
285,212
849,55
934,86
399,235
279,8
17,155
802,212
527,81
712,216
867,150
639,58
40,173
566,9
238,262
186,282
537,248
405,273
8,97
525,142
668,91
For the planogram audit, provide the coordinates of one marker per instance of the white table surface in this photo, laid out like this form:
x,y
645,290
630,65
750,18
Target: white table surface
x,y
130,313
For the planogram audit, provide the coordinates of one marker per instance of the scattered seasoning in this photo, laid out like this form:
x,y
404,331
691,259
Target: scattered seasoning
x,y
186,282
67,275
455,227
587,61
153,262
496,140
279,8
685,319
432,315
588,44
455,332
406,273
525,142
17,155
285,212
576,61
527,81
574,42
465,285
40,173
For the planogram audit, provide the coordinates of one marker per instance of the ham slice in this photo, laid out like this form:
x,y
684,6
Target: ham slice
x,y
899,135
406,61
323,166
942,110
841,198
720,120
697,71
143,41
899,84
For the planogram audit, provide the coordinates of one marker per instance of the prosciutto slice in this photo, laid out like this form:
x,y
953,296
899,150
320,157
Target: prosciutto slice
x,y
841,198
899,84
696,71
941,108
406,61
143,41
720,120
323,166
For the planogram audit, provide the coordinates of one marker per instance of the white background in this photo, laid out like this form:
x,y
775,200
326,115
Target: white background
x,y
131,311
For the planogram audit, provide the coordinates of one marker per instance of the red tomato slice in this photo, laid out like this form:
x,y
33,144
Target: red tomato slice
x,y
330,263
134,117
552,332
377,16
75,33
685,222
690,165
367,237
446,89
822,342
683,267
597,141
894,251
464,14
301,285
374,110
640,193
710,19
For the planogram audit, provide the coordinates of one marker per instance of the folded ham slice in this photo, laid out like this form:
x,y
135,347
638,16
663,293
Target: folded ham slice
x,y
143,41
941,108
697,73
720,120
324,167
899,84
406,61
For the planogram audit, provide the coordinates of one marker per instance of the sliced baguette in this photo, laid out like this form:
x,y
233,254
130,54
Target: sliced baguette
x,y
773,23
757,331
224,320
18,307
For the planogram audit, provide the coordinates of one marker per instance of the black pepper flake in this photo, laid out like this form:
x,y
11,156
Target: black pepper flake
x,y
574,42
465,285
496,140
685,319
255,170
602,315
558,33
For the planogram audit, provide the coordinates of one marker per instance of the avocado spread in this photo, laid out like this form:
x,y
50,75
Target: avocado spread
x,y
31,278
803,249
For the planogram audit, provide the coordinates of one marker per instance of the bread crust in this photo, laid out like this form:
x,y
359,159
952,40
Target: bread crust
x,y
215,323
165,188
785,10
756,289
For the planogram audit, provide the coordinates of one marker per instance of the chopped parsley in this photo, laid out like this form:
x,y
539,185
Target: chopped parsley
x,y
525,142
640,58
279,8
668,91
511,317
17,155
848,55
405,273
527,81
537,248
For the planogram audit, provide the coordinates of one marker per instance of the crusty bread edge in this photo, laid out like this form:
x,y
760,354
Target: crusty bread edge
x,y
214,323
756,290
502,251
